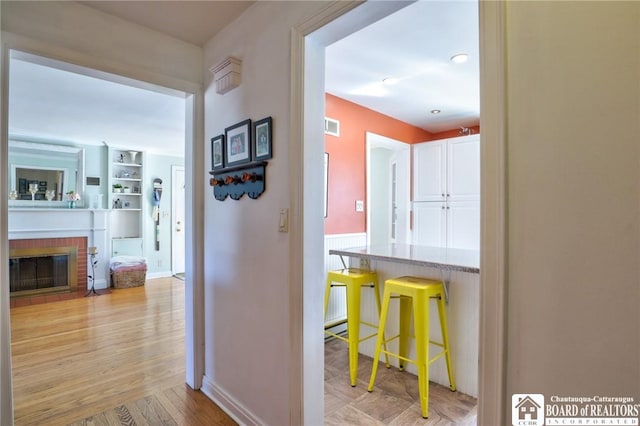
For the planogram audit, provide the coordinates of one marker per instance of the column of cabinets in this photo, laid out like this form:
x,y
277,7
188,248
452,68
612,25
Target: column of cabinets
x,y
126,201
446,193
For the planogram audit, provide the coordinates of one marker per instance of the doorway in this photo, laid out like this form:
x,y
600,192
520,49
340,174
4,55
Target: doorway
x,y
178,216
308,43
388,183
191,93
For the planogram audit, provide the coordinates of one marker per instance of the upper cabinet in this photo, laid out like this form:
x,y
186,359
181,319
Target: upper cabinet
x,y
447,170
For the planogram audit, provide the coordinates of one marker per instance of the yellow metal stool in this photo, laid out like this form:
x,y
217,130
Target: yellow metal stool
x,y
353,280
419,291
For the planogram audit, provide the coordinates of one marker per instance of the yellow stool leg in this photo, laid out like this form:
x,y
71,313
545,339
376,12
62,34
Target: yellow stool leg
x,y
380,339
327,292
384,341
421,326
445,340
405,323
353,325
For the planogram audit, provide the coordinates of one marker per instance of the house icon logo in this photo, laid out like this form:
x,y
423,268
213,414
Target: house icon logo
x,y
527,409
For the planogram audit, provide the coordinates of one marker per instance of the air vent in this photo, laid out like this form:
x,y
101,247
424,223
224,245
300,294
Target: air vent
x,y
331,127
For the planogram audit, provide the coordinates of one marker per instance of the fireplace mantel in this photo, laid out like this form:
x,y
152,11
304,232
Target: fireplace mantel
x,y
29,223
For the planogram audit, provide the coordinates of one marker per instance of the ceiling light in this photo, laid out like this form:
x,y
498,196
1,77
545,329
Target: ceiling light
x,y
435,111
460,58
390,81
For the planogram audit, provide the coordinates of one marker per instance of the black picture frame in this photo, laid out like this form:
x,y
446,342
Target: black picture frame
x,y
217,152
262,141
238,143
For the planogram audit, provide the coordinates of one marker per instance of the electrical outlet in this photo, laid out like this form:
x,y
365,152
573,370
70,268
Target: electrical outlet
x,y
359,205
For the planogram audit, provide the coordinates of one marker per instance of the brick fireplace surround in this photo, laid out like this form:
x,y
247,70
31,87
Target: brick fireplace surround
x,y
79,242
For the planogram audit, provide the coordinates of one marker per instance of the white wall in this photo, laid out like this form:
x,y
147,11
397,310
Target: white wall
x,y
573,198
247,288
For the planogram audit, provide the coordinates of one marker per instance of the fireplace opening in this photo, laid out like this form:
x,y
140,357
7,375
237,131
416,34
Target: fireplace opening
x,y
42,270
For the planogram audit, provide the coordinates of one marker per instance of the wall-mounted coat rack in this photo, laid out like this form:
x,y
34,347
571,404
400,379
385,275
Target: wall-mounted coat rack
x,y
238,180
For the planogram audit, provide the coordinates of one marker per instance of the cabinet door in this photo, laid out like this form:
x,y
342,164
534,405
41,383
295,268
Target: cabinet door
x,y
429,171
463,225
463,169
126,247
429,224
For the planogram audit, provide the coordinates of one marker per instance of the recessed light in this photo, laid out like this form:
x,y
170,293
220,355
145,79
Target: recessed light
x,y
435,111
460,58
390,81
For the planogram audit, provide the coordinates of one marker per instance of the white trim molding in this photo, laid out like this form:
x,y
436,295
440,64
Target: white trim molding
x,y
493,250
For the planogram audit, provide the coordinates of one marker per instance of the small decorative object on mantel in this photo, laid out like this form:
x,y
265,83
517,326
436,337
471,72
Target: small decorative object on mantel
x,y
72,197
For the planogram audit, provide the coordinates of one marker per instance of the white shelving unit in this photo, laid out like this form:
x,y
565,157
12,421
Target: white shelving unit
x,y
126,170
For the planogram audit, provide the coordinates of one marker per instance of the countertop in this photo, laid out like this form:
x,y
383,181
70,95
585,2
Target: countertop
x,y
433,257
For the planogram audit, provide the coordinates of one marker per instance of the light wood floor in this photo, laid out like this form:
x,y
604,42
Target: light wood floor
x,y
77,358
89,360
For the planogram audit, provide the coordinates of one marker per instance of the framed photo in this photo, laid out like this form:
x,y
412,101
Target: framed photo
x,y
262,146
238,143
217,152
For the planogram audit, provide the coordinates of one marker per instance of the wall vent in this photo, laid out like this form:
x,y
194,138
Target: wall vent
x,y
331,126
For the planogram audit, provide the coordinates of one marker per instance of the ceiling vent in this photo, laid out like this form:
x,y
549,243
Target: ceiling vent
x,y
331,127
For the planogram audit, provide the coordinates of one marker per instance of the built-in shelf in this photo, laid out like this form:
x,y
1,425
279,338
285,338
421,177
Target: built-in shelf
x,y
126,169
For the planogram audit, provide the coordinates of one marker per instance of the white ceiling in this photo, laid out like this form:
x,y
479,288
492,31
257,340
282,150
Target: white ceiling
x,y
49,100
414,45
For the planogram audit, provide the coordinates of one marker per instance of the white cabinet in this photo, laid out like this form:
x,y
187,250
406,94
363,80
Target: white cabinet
x,y
126,201
446,193
447,170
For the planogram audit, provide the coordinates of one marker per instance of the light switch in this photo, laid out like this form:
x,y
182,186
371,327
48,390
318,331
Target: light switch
x,y
359,205
283,221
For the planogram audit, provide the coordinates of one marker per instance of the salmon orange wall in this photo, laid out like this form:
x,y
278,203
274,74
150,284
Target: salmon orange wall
x,y
347,157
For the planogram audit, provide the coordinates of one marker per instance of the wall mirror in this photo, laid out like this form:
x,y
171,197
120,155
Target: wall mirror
x,y
41,174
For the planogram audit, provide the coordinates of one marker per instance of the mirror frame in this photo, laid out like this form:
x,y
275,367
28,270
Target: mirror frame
x,y
66,149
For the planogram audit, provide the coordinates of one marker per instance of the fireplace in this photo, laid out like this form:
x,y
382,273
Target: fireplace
x,y
47,266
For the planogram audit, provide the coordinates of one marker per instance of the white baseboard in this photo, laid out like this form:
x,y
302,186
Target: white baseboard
x,y
161,274
239,413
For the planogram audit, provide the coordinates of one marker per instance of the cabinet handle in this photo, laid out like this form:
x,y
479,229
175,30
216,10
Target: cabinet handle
x,y
443,194
442,207
448,195
447,207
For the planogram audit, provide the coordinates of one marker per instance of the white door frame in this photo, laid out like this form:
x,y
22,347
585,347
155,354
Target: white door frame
x,y
194,194
307,78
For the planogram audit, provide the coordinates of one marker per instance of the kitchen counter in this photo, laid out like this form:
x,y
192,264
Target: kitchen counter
x,y
460,272
432,257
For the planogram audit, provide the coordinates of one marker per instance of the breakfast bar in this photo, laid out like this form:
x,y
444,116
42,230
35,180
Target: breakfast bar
x,y
459,270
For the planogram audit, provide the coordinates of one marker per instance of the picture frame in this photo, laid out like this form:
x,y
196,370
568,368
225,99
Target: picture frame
x,y
262,143
217,152
238,143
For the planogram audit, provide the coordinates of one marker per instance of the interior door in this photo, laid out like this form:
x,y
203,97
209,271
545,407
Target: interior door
x,y
178,216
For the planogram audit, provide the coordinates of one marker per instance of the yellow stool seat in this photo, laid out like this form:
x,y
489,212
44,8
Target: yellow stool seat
x,y
417,292
353,280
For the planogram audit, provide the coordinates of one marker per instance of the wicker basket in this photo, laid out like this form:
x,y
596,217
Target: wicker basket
x,y
133,276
